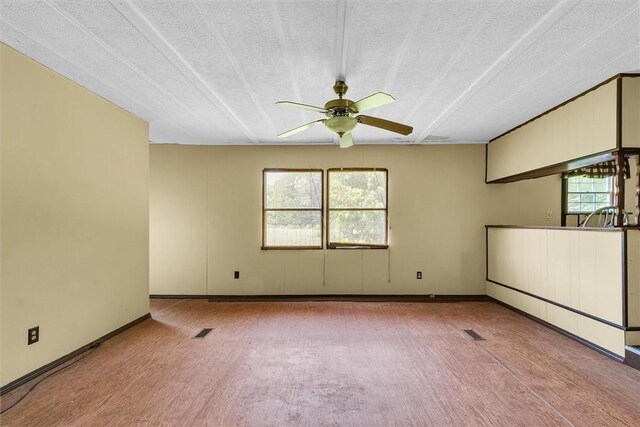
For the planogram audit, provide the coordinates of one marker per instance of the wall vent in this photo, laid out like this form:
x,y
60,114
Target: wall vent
x,y
203,333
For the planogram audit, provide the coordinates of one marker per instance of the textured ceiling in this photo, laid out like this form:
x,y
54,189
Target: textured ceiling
x,y
210,72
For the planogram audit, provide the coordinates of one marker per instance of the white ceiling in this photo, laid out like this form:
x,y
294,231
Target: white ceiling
x,y
210,72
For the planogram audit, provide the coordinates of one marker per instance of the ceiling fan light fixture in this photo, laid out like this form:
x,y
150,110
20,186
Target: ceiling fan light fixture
x,y
340,125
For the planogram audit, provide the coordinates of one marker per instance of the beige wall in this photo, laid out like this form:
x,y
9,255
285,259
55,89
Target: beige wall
x,y
205,221
631,111
580,128
74,215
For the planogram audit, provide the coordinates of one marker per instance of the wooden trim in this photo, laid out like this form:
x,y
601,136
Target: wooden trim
x,y
293,209
291,170
263,246
358,209
326,214
323,213
557,304
486,253
564,332
618,191
386,211
49,366
569,165
350,298
637,198
619,113
625,303
334,245
617,76
557,227
177,296
486,162
628,151
352,169
289,248
264,216
564,189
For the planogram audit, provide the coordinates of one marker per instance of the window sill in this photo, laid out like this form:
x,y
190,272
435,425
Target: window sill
x,y
351,246
289,248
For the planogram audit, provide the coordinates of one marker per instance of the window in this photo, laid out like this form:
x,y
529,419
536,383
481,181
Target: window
x,y
357,208
292,209
585,195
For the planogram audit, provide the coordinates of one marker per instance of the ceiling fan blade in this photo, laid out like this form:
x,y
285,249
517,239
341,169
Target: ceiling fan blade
x,y
385,124
301,128
372,101
346,140
305,106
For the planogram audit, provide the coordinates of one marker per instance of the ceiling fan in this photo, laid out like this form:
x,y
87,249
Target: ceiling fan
x,y
343,115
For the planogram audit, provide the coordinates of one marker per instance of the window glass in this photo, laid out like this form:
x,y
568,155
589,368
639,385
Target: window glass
x,y
585,195
357,208
292,208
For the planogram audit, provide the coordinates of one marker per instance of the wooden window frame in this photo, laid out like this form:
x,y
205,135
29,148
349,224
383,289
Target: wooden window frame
x,y
386,211
265,210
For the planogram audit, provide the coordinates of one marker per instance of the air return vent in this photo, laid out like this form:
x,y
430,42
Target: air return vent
x,y
473,334
203,333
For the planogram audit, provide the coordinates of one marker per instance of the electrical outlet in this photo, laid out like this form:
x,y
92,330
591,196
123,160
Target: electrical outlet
x,y
419,275
236,274
549,214
33,335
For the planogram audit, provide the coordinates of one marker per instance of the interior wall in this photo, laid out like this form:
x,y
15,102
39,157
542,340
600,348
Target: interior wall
x,y
74,196
205,221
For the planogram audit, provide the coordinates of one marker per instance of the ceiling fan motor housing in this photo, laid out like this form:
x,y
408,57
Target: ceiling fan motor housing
x,y
340,107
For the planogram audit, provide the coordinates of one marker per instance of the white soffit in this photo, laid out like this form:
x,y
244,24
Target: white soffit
x,y
210,72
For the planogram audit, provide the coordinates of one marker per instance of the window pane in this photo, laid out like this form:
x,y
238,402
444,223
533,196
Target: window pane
x,y
587,198
293,228
584,187
586,207
357,189
601,185
588,194
574,207
361,227
293,190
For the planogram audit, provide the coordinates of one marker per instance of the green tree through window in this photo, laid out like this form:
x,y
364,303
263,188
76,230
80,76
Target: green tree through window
x,y
292,209
357,208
